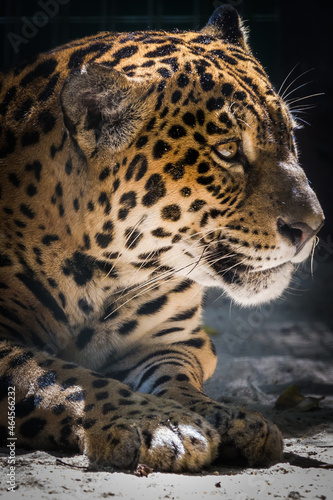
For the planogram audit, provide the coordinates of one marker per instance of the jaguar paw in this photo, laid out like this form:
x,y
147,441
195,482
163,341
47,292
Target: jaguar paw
x,y
251,437
175,442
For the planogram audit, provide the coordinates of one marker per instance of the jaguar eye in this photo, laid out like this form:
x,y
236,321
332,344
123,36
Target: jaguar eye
x,y
227,151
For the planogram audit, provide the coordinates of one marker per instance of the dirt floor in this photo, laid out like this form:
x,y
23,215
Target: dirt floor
x,y
262,352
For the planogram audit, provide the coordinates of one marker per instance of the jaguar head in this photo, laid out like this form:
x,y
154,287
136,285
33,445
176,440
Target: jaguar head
x,y
192,151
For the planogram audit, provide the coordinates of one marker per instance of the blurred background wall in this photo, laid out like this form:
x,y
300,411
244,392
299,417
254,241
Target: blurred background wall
x,y
285,35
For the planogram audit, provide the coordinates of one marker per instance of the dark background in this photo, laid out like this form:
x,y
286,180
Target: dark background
x,y
284,34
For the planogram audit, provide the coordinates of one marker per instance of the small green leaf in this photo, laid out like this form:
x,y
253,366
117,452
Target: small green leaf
x,y
209,330
292,399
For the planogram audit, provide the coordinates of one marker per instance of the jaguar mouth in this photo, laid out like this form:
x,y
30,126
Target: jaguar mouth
x,y
248,285
240,271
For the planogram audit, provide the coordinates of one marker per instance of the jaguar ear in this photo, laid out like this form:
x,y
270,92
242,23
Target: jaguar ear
x,y
226,24
102,108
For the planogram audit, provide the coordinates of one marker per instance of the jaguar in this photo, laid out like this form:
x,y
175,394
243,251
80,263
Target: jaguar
x,y
138,169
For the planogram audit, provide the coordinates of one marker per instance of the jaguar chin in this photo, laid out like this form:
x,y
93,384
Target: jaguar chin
x,y
250,287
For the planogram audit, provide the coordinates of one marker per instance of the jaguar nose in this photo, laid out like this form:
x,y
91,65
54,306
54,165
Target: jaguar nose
x,y
297,233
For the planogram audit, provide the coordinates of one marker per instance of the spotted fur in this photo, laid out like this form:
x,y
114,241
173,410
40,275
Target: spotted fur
x,y
136,169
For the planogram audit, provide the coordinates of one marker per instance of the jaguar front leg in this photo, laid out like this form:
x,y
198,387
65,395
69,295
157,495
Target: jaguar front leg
x,y
63,405
176,369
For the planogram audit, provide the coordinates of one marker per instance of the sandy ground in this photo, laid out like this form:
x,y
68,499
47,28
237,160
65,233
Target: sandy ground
x,y
261,353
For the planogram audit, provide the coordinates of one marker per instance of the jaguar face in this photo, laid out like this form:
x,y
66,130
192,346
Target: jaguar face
x,y
248,213
201,164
